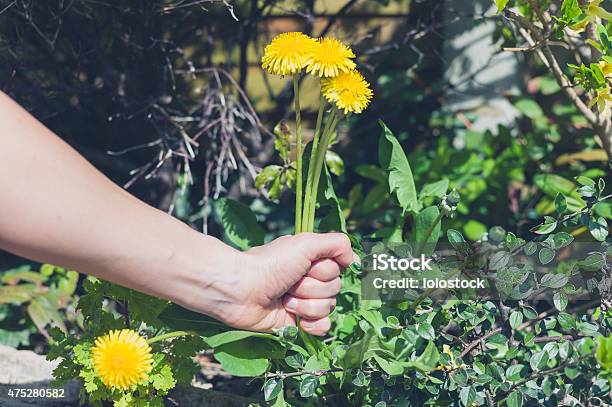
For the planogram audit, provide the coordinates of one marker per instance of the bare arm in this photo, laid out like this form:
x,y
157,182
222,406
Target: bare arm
x,y
56,207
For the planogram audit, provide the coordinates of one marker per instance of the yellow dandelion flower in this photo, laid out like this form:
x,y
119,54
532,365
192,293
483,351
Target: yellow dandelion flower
x,y
349,91
122,359
287,54
329,57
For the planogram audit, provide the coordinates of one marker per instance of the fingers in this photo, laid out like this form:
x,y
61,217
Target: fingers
x,y
313,309
324,270
318,327
309,287
335,246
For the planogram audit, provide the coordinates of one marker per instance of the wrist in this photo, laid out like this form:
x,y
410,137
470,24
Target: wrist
x,y
208,277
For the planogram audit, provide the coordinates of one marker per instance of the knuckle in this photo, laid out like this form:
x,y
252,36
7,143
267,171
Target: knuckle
x,y
345,241
336,285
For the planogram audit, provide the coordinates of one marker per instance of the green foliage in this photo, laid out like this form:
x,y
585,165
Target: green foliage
x,y
471,351
42,297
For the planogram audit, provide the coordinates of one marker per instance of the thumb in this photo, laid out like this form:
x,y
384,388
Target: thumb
x,y
336,246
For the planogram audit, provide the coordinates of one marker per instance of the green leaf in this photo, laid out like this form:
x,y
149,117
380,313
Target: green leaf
x,y
604,353
560,204
539,360
566,320
422,225
240,225
598,228
391,367
456,240
436,189
426,331
14,338
529,107
428,360
309,386
501,5
552,184
334,221
267,175
514,373
296,361
356,351
515,399
560,300
372,172
272,388
182,319
249,357
549,225
43,312
499,260
530,248
562,239
516,319
18,294
393,160
334,162
593,262
467,395
546,255
570,10
233,336
554,280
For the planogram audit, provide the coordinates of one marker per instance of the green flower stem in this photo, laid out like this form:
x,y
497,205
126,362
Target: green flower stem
x,y
169,335
332,121
298,132
313,152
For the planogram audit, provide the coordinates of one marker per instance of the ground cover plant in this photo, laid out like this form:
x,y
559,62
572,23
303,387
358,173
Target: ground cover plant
x,y
541,334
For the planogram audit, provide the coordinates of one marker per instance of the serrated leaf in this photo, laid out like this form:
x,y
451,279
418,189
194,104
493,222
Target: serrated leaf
x,y
393,160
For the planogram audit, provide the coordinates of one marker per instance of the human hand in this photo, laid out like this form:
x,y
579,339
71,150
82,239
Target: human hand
x,y
288,277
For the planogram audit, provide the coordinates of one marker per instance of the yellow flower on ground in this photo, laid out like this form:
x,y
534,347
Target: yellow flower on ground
x,y
329,57
593,11
349,91
287,54
122,359
602,99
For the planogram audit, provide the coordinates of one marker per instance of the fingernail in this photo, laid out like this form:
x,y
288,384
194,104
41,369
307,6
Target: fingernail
x,y
292,303
356,264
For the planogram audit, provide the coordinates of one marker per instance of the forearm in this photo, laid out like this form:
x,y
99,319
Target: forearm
x,y
55,207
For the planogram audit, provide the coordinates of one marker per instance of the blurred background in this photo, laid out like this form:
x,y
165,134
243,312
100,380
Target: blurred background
x,y
168,99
